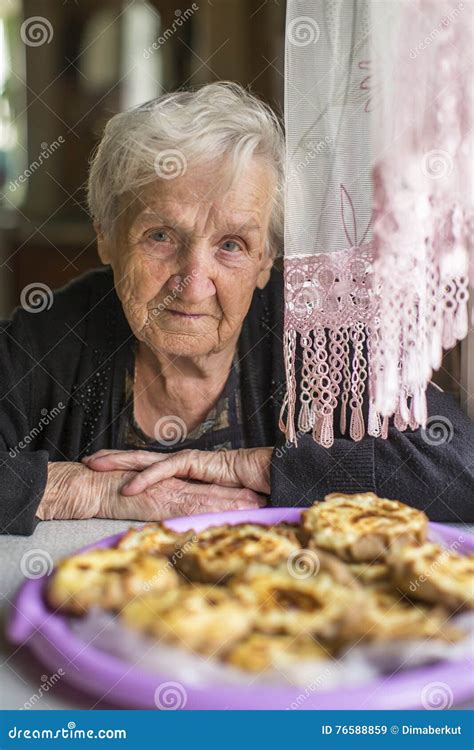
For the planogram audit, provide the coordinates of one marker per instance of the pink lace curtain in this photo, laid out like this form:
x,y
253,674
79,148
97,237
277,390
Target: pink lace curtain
x,y
379,208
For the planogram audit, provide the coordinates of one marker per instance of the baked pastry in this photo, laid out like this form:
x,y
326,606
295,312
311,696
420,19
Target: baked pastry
x,y
349,572
107,578
223,551
435,574
259,651
154,538
315,558
295,528
316,605
363,527
370,572
388,615
204,619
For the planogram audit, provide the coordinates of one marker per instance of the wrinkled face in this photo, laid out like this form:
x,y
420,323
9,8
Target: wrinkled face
x,y
189,257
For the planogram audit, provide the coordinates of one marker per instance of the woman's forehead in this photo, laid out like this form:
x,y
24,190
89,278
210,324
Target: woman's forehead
x,y
219,213
232,210
217,184
201,197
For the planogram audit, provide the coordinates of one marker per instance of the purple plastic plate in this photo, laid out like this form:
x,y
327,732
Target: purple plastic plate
x,y
50,638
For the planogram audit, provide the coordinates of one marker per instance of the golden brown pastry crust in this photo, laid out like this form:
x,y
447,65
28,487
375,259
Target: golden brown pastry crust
x,y
280,597
316,605
155,539
370,572
388,615
337,568
203,619
363,527
431,573
221,552
107,578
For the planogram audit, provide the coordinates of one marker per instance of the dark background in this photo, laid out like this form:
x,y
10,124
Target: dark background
x,y
97,59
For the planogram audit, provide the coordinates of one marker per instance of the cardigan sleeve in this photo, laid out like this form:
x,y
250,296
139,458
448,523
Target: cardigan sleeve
x,y
430,469
23,472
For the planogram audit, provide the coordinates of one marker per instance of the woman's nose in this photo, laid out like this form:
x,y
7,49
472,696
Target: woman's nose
x,y
193,283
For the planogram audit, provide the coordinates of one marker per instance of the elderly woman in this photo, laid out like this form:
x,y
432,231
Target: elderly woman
x,y
151,388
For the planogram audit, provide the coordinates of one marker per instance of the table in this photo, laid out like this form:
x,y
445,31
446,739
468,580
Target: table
x,y
20,673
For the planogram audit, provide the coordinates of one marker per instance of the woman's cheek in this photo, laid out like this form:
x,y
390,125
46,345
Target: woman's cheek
x,y
235,295
139,283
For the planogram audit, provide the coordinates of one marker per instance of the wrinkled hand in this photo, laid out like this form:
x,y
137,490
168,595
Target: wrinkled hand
x,y
175,497
244,468
75,491
72,491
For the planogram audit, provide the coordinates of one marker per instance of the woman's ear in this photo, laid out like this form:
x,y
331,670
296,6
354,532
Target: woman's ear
x,y
264,275
103,245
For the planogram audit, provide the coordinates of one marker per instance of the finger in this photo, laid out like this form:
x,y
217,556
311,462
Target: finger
x,y
203,466
201,503
200,500
189,503
135,460
171,466
102,452
226,497
231,494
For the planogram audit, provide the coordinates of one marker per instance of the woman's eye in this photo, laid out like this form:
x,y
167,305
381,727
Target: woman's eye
x,y
230,246
159,236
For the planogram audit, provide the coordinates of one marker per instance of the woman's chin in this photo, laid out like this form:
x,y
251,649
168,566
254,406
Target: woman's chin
x,y
181,344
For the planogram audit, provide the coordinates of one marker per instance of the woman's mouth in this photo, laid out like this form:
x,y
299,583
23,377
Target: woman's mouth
x,y
180,314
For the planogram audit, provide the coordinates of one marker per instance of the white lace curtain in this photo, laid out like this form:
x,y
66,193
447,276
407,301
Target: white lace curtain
x,y
379,207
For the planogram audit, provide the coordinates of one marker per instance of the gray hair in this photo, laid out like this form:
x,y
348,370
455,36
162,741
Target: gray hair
x,y
161,138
